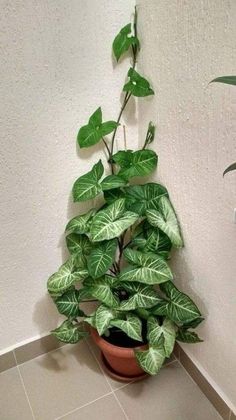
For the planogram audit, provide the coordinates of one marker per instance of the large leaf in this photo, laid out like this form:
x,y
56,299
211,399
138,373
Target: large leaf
x,y
101,258
66,276
146,268
165,219
112,221
188,336
92,133
180,308
68,304
103,317
111,182
87,186
123,41
230,168
78,244
166,330
229,80
80,224
132,326
69,332
101,290
137,85
140,198
151,360
151,239
143,297
139,163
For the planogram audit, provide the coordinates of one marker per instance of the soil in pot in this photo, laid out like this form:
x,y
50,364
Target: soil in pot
x,y
120,339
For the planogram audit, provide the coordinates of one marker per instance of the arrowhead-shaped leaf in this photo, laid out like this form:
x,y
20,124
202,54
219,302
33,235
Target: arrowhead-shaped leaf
x,y
188,336
87,186
103,317
123,41
69,332
101,258
229,80
81,224
166,330
112,181
78,244
132,326
68,304
145,268
166,220
66,276
101,290
112,221
140,198
151,360
143,297
139,163
137,85
180,307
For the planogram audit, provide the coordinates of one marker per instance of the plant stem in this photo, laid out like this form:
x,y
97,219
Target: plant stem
x,y
108,150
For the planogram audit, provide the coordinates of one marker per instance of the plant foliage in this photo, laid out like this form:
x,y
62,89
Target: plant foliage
x,y
119,251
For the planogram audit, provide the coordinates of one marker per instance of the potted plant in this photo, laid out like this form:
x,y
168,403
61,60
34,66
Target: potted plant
x,y
120,251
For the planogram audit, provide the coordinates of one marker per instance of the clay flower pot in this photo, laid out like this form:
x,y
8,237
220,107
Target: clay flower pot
x,y
120,362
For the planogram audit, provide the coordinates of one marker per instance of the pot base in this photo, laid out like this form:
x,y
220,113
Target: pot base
x,y
117,376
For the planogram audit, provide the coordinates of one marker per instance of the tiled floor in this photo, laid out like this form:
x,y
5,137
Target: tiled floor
x,y
68,384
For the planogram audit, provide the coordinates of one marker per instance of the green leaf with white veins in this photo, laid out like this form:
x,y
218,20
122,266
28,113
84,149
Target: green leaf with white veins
x,y
143,297
112,221
68,304
101,290
151,360
142,163
80,224
132,326
69,333
166,330
137,85
123,41
66,276
78,244
101,258
140,198
87,186
165,219
112,181
188,336
103,317
146,268
180,308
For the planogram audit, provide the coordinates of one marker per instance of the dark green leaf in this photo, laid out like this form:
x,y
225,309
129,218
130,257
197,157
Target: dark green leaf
x,y
123,41
188,336
139,163
78,244
230,168
107,128
96,118
140,198
112,182
229,80
101,258
137,85
68,304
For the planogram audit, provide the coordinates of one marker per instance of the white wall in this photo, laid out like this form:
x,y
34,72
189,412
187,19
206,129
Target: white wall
x,y
56,69
185,44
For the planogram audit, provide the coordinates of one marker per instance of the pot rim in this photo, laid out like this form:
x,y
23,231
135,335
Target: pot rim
x,y
105,346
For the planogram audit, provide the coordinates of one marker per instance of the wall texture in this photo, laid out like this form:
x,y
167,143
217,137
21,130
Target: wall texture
x,y
56,69
185,45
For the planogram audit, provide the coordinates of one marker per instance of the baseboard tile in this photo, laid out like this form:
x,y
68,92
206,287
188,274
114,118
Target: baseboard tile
x,y
216,400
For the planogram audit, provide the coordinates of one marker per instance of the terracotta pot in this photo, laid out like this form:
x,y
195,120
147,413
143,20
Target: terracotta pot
x,y
121,360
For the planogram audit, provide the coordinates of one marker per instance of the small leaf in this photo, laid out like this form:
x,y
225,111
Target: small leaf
x,y
96,118
69,333
101,258
132,326
165,219
151,360
107,127
230,168
123,41
188,336
150,134
68,304
81,224
180,308
87,186
137,85
101,290
112,182
112,221
140,163
78,244
66,276
229,80
92,133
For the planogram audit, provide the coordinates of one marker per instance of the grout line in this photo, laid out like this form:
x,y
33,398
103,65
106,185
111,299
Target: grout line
x,y
40,355
23,385
84,405
179,362
104,375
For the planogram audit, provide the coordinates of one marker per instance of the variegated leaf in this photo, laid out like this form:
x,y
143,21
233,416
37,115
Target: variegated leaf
x,y
101,289
81,224
78,244
132,326
87,186
140,198
112,182
69,332
68,304
167,330
66,276
103,317
101,258
144,297
151,360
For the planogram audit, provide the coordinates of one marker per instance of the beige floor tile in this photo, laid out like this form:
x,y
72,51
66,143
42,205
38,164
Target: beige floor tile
x,y
106,408
13,401
171,395
63,380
